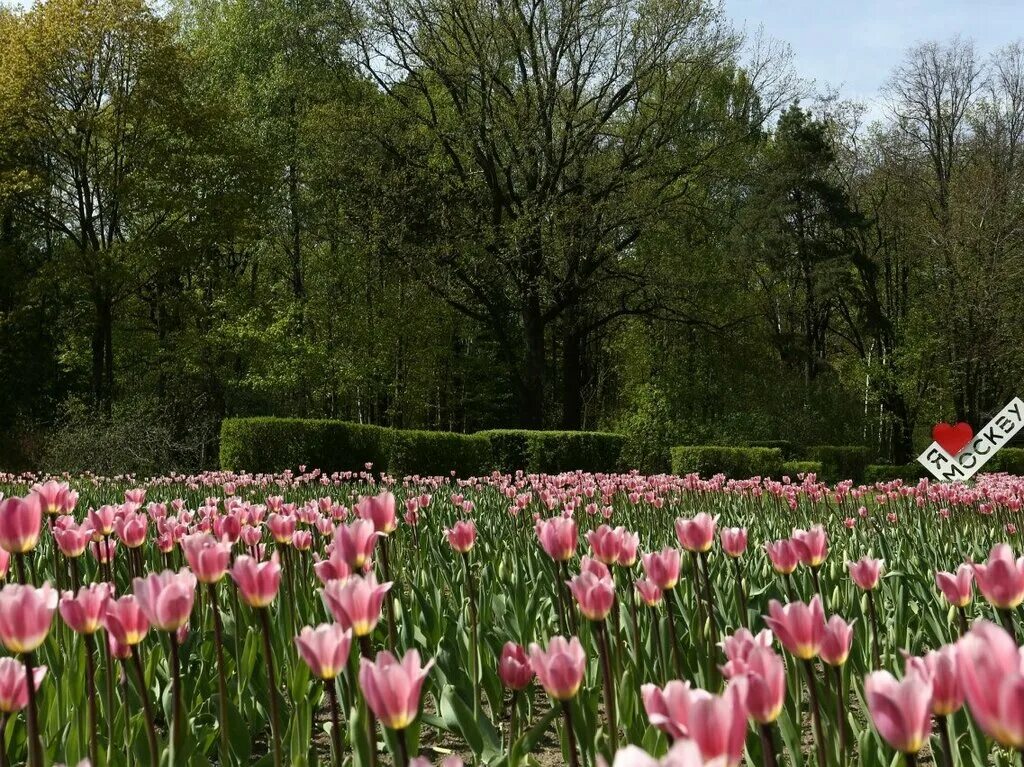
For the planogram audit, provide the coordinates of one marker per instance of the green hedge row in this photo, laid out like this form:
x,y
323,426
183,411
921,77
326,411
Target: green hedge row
x,y
273,444
840,462
736,462
794,468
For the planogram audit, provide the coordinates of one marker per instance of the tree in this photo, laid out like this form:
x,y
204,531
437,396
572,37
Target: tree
x,y
553,133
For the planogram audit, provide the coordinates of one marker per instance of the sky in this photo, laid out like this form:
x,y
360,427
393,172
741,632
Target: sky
x,y
854,45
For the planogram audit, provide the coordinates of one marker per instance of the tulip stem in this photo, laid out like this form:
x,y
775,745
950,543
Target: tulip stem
x,y
673,637
35,746
817,586
570,734
388,603
768,757
474,659
3,740
90,692
911,759
222,686
709,595
876,662
812,689
332,693
609,687
272,679
1006,617
371,720
108,685
962,619
147,709
176,724
840,713
513,719
741,595
947,748
402,757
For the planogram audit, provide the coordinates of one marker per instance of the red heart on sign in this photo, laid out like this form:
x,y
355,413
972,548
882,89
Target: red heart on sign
x,y
952,439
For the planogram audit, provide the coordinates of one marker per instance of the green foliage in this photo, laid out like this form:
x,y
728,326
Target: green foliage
x,y
909,473
647,428
274,444
734,462
551,452
795,468
436,453
840,461
1008,459
790,451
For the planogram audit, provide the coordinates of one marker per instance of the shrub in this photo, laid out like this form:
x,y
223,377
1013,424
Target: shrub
x,y
551,452
839,462
790,451
909,473
274,444
1009,459
435,453
794,468
647,429
735,462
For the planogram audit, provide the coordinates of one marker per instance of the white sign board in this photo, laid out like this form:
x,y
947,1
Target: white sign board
x,y
983,445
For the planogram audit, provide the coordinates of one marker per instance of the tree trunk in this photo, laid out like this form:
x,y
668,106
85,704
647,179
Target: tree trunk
x,y
572,380
531,413
103,353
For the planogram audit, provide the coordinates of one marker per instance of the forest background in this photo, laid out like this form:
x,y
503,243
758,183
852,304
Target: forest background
x,y
452,214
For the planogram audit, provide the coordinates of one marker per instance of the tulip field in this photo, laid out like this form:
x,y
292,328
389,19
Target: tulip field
x,y
579,619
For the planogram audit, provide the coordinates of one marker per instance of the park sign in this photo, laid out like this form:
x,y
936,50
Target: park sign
x,y
970,451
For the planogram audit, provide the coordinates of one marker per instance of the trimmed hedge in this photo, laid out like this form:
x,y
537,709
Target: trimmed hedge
x,y
839,462
1009,459
790,450
910,473
273,444
793,468
734,462
433,453
551,452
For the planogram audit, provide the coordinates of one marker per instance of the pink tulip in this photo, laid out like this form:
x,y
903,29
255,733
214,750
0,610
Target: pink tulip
x,y
356,602
125,621
783,555
257,582
20,522
131,529
650,592
13,690
25,616
379,509
354,542
514,667
865,572
595,595
606,543
71,538
668,707
53,496
662,568
957,588
101,521
392,688
166,598
991,669
766,684
697,534
741,643
1001,579
683,753
84,612
800,627
281,527
811,545
718,723
334,568
207,557
462,536
325,649
942,668
734,541
559,668
900,710
558,537
836,641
